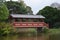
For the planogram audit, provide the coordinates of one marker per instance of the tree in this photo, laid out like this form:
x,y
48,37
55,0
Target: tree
x,y
55,5
52,15
2,1
17,7
10,0
29,10
4,13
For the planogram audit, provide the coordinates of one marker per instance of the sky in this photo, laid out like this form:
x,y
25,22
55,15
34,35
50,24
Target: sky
x,y
37,5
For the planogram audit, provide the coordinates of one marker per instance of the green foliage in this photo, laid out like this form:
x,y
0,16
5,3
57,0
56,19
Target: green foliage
x,y
56,25
54,31
5,28
2,1
4,13
52,15
45,30
29,10
17,8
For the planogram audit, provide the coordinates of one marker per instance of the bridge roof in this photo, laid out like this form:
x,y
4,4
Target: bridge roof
x,y
26,16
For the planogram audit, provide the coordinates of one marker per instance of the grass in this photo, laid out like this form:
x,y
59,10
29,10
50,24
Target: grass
x,y
54,31
30,31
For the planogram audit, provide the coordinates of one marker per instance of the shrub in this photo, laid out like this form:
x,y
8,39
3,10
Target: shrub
x,y
45,30
5,28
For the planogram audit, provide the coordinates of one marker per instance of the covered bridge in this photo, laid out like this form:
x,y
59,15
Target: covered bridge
x,y
28,21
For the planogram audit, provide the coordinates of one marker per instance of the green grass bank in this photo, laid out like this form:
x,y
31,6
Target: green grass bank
x,y
54,31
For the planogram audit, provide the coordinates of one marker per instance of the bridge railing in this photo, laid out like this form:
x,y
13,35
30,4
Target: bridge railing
x,y
30,24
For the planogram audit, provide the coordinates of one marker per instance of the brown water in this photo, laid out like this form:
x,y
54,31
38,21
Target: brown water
x,y
32,37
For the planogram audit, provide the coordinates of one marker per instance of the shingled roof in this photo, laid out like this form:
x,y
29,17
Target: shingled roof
x,y
26,16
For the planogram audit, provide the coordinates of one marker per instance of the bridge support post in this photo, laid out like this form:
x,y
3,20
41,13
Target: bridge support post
x,y
39,29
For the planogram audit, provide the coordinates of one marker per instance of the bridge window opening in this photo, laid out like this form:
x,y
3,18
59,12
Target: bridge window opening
x,y
17,20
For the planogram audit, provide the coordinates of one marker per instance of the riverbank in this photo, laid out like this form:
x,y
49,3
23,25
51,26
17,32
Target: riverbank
x,y
54,31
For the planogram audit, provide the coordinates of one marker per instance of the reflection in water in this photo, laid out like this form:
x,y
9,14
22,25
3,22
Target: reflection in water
x,y
8,38
29,37
54,37
32,37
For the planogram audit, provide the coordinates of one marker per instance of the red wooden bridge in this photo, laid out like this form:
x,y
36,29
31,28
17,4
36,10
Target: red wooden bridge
x,y
27,21
30,24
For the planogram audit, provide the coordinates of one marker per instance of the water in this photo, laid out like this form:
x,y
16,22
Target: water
x,y
54,37
32,37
